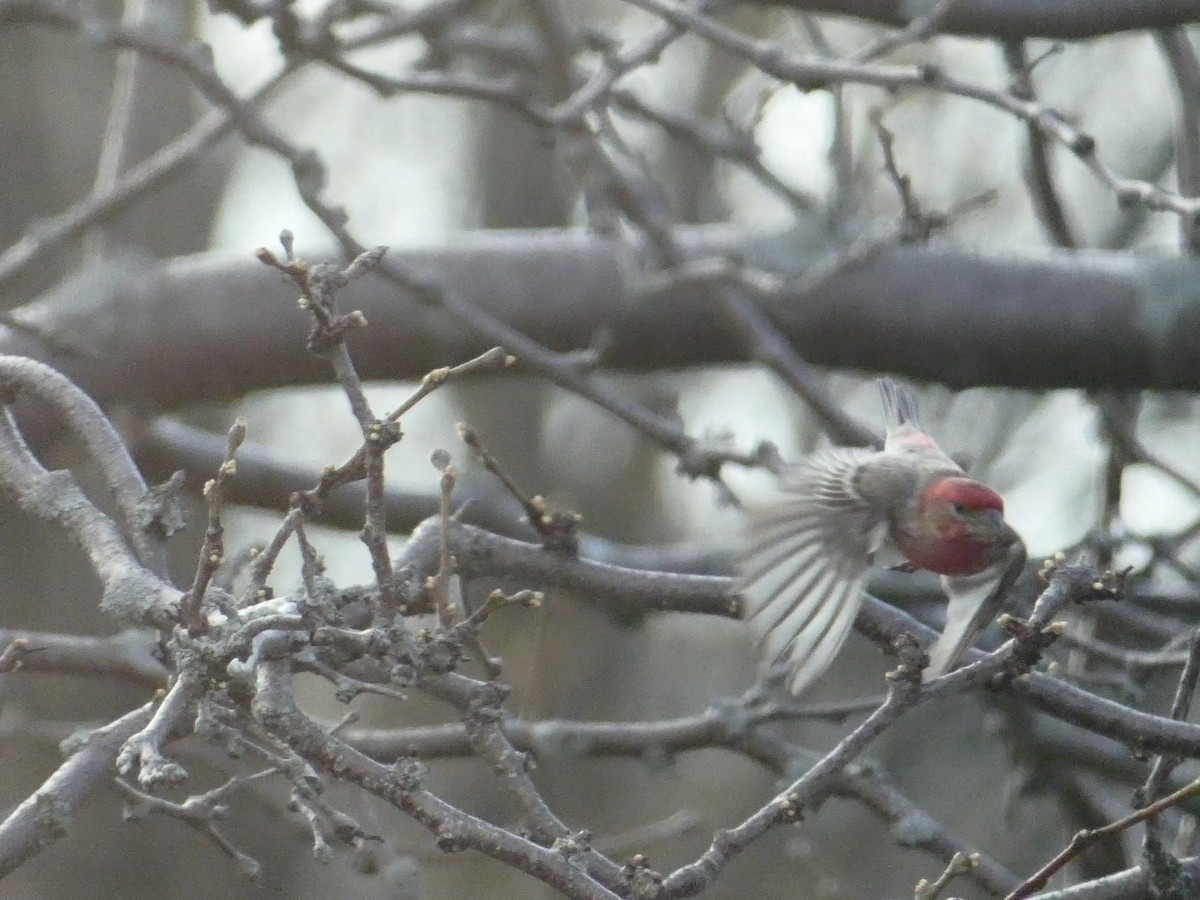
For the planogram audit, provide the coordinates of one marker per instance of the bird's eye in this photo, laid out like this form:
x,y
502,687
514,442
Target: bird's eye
x,y
960,508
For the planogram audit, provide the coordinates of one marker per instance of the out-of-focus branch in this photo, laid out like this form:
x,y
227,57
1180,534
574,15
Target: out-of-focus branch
x,y
267,480
131,107
1039,174
1016,19
722,140
125,655
566,304
920,28
1055,320
807,74
1181,57
1128,885
125,190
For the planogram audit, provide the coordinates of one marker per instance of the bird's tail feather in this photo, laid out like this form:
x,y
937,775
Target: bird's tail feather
x,y
899,405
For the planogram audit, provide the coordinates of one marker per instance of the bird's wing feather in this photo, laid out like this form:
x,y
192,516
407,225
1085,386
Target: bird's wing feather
x,y
974,602
806,557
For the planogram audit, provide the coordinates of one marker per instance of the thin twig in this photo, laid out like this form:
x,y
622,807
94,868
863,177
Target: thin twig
x,y
1084,839
787,806
809,74
1164,765
1038,173
212,552
439,583
1177,46
921,28
960,864
559,529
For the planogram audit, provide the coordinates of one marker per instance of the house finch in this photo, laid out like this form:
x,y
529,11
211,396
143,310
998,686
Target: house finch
x,y
808,553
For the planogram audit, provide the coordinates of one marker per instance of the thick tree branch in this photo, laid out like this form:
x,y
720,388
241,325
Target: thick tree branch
x,y
1059,319
131,592
1064,19
480,554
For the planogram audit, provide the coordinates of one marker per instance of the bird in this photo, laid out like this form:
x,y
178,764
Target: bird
x,y
808,551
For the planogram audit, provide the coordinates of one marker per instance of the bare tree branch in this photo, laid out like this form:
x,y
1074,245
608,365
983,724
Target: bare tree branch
x,y
43,817
1065,19
1050,320
124,655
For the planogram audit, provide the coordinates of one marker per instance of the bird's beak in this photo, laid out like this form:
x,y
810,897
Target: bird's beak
x,y
989,525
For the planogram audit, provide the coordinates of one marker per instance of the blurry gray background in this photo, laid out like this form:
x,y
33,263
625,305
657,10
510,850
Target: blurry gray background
x,y
422,170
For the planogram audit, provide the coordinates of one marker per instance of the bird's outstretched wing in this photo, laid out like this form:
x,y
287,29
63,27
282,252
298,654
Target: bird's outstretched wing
x,y
974,602
804,562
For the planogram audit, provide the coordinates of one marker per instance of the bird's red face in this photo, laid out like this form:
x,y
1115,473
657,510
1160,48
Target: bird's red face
x,y
958,528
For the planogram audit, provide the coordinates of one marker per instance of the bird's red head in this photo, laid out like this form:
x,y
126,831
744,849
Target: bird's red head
x,y
964,492
958,528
